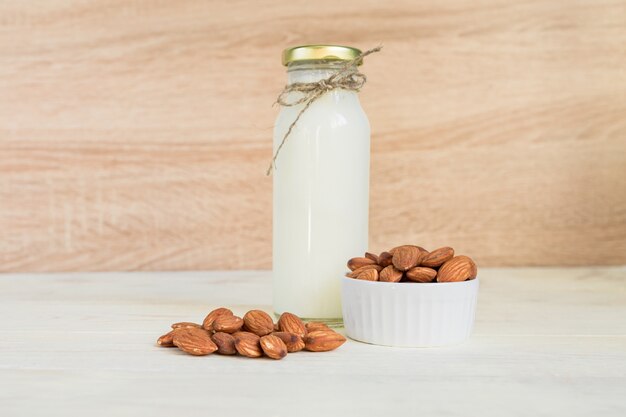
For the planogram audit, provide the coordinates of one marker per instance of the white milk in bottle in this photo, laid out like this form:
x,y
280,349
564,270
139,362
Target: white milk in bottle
x,y
321,188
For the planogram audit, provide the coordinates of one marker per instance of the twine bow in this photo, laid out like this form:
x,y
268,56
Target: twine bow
x,y
347,77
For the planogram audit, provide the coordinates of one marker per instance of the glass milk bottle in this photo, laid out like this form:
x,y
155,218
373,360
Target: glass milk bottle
x,y
321,188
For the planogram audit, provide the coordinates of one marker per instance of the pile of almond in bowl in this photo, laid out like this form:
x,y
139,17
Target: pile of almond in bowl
x,y
411,263
253,336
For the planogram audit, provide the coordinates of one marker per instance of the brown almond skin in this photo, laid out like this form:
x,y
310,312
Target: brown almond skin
x,y
393,250
421,274
356,263
186,324
248,344
258,322
273,346
357,271
323,341
368,275
390,274
459,268
437,257
207,324
194,341
316,325
372,256
293,342
227,323
225,343
291,323
406,257
167,340
385,259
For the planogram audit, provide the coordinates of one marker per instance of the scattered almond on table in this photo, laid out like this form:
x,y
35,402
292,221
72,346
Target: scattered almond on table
x,y
411,263
253,336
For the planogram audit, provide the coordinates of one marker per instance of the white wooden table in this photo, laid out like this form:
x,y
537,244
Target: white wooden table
x,y
547,342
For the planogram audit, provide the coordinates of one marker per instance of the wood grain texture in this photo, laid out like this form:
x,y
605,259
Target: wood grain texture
x,y
135,134
84,344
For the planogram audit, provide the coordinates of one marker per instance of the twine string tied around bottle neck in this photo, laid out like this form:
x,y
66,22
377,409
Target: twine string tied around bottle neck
x,y
347,77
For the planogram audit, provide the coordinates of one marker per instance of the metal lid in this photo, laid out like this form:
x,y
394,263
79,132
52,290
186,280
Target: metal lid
x,y
319,53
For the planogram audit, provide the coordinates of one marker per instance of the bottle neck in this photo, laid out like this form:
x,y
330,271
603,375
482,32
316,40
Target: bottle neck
x,y
310,72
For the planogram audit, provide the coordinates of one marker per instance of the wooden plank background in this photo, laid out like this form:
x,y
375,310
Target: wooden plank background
x,y
134,134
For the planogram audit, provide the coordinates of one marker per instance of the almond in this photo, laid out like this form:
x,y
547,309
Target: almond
x,y
291,323
368,275
167,340
293,342
323,340
227,323
356,263
185,324
384,259
258,322
357,271
438,257
316,325
421,274
406,257
273,346
390,274
194,341
225,343
247,344
393,250
371,256
207,324
459,268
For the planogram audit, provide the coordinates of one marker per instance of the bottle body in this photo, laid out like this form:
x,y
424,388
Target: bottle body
x,y
321,199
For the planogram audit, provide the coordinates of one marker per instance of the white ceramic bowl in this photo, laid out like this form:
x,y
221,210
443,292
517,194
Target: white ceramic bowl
x,y
409,314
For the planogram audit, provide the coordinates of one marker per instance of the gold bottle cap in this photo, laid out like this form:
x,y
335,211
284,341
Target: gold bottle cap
x,y
319,53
